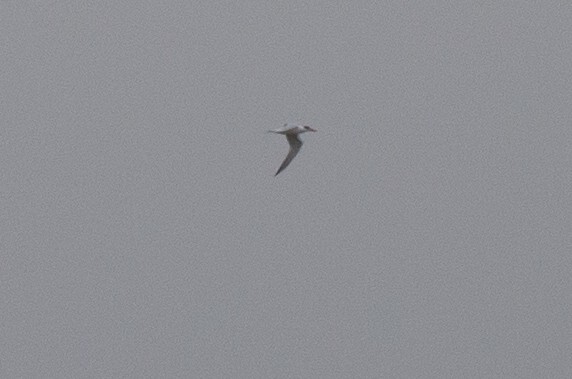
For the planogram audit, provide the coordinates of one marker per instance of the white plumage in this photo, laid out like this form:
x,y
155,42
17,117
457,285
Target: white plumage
x,y
292,133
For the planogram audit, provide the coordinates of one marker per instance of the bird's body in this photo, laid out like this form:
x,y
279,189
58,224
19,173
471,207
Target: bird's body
x,y
291,132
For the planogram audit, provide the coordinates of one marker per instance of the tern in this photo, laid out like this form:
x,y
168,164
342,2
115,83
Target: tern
x,y
292,133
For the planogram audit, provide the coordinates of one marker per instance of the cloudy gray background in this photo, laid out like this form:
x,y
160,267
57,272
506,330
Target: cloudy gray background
x,y
424,231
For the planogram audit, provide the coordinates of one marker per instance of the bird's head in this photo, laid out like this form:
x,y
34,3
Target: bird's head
x,y
308,129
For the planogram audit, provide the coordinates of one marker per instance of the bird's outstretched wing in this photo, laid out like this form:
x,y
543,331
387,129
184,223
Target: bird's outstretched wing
x,y
295,145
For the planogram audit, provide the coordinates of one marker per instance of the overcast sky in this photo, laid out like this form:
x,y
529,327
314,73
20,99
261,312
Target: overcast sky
x,y
425,230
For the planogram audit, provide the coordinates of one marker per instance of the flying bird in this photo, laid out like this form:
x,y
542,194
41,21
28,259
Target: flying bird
x,y
292,133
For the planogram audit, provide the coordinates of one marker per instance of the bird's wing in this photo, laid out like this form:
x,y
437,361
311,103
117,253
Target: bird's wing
x,y
284,129
295,145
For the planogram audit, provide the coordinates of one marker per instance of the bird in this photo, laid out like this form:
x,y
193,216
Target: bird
x,y
292,133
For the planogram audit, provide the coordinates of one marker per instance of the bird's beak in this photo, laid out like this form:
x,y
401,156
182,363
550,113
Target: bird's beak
x,y
311,129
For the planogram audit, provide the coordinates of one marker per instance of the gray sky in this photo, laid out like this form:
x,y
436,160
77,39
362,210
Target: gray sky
x,y
424,231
